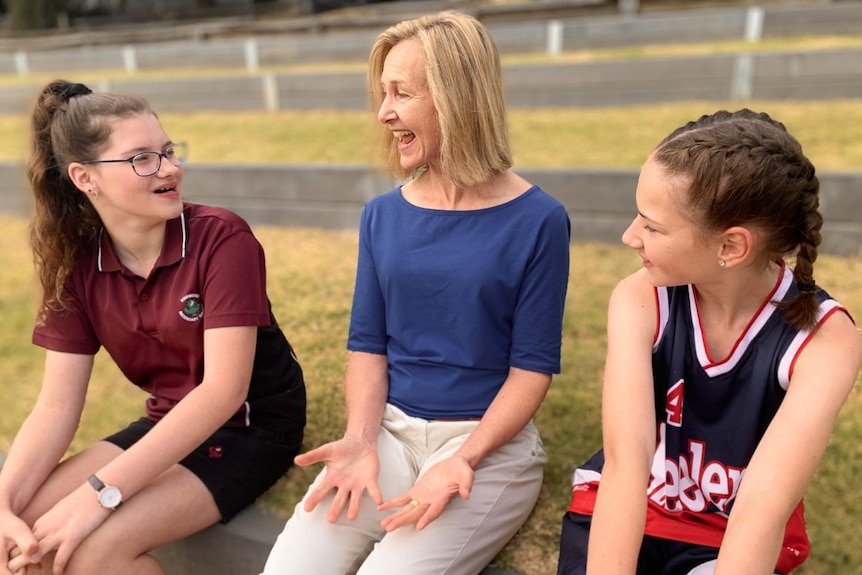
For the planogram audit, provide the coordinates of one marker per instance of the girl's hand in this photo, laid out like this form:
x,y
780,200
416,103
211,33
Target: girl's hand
x,y
62,528
18,542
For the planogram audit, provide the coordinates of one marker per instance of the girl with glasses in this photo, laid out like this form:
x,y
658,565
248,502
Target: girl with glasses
x,y
175,292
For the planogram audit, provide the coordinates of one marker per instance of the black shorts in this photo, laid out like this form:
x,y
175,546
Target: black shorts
x,y
236,464
657,556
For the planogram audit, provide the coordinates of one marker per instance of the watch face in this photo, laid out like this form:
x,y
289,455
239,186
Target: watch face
x,y
110,497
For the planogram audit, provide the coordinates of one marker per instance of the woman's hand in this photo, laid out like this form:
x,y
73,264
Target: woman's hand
x,y
352,467
429,496
62,529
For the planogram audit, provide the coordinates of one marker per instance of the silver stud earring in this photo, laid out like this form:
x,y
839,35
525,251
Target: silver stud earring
x,y
722,263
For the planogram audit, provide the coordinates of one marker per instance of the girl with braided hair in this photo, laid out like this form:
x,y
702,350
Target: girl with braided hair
x,y
726,365
175,292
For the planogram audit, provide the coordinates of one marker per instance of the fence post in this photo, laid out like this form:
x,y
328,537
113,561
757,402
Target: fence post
x,y
251,57
555,37
130,59
754,24
270,92
742,84
21,64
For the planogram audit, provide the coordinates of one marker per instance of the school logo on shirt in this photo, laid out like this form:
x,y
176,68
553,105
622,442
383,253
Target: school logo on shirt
x,y
193,307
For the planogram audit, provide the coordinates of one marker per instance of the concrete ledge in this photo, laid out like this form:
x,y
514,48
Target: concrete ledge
x,y
238,548
600,202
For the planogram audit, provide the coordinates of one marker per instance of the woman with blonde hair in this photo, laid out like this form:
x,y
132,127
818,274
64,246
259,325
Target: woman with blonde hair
x,y
455,329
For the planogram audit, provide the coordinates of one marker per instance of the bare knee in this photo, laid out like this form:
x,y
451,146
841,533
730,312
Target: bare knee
x,y
95,556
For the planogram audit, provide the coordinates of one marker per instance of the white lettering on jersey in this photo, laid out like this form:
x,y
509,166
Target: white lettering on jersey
x,y
691,483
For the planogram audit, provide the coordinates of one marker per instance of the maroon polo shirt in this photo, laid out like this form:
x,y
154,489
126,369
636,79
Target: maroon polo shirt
x,y
211,273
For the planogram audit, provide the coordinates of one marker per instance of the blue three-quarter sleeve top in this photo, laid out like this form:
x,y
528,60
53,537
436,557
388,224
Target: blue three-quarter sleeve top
x,y
456,298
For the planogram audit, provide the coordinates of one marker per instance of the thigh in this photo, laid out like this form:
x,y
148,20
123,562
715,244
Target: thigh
x,y
704,568
175,505
310,544
469,533
68,476
707,568
237,464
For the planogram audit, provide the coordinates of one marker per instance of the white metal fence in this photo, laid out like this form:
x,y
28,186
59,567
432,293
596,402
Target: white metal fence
x,y
274,48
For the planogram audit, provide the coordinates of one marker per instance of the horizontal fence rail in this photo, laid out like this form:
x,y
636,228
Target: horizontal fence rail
x,y
267,45
599,202
821,75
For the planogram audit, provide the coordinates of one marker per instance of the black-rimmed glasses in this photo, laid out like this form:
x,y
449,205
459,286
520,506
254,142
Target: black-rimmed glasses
x,y
148,163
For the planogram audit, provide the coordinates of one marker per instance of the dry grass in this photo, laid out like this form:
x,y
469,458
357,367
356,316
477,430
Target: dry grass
x,y
310,281
618,137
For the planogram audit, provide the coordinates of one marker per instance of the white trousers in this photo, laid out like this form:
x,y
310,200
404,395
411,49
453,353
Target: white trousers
x,y
462,541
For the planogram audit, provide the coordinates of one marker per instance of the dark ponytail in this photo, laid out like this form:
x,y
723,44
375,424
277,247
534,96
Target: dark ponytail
x,y
69,123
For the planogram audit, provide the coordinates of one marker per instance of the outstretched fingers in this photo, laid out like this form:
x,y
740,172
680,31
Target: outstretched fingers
x,y
412,512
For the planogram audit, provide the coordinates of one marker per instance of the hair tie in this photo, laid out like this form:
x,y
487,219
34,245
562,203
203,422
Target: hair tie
x,y
69,90
806,288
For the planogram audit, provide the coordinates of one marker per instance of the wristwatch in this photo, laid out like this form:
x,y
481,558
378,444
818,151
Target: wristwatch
x,y
109,495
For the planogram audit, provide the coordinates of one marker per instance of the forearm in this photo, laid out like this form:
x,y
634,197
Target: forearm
x,y
750,547
366,388
38,447
228,359
180,431
514,406
763,506
617,527
791,449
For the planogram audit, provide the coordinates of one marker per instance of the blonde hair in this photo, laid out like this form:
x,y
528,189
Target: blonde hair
x,y
462,68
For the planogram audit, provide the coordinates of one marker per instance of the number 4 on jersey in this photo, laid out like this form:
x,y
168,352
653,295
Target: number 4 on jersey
x,y
673,404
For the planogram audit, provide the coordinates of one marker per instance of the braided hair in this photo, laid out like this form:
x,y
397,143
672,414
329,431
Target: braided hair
x,y
746,169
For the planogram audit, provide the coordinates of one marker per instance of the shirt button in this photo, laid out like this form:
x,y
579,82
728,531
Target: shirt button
x,y
145,296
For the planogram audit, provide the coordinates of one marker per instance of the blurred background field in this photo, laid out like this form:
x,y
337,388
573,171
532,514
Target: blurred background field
x,y
311,279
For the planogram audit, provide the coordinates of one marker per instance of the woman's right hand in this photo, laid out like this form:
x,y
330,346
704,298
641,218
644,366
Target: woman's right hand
x,y
16,539
352,467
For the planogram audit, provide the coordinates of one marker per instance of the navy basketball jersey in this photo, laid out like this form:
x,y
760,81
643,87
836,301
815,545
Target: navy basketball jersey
x,y
711,413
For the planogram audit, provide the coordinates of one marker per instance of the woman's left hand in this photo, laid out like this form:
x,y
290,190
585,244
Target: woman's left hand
x,y
429,496
63,527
